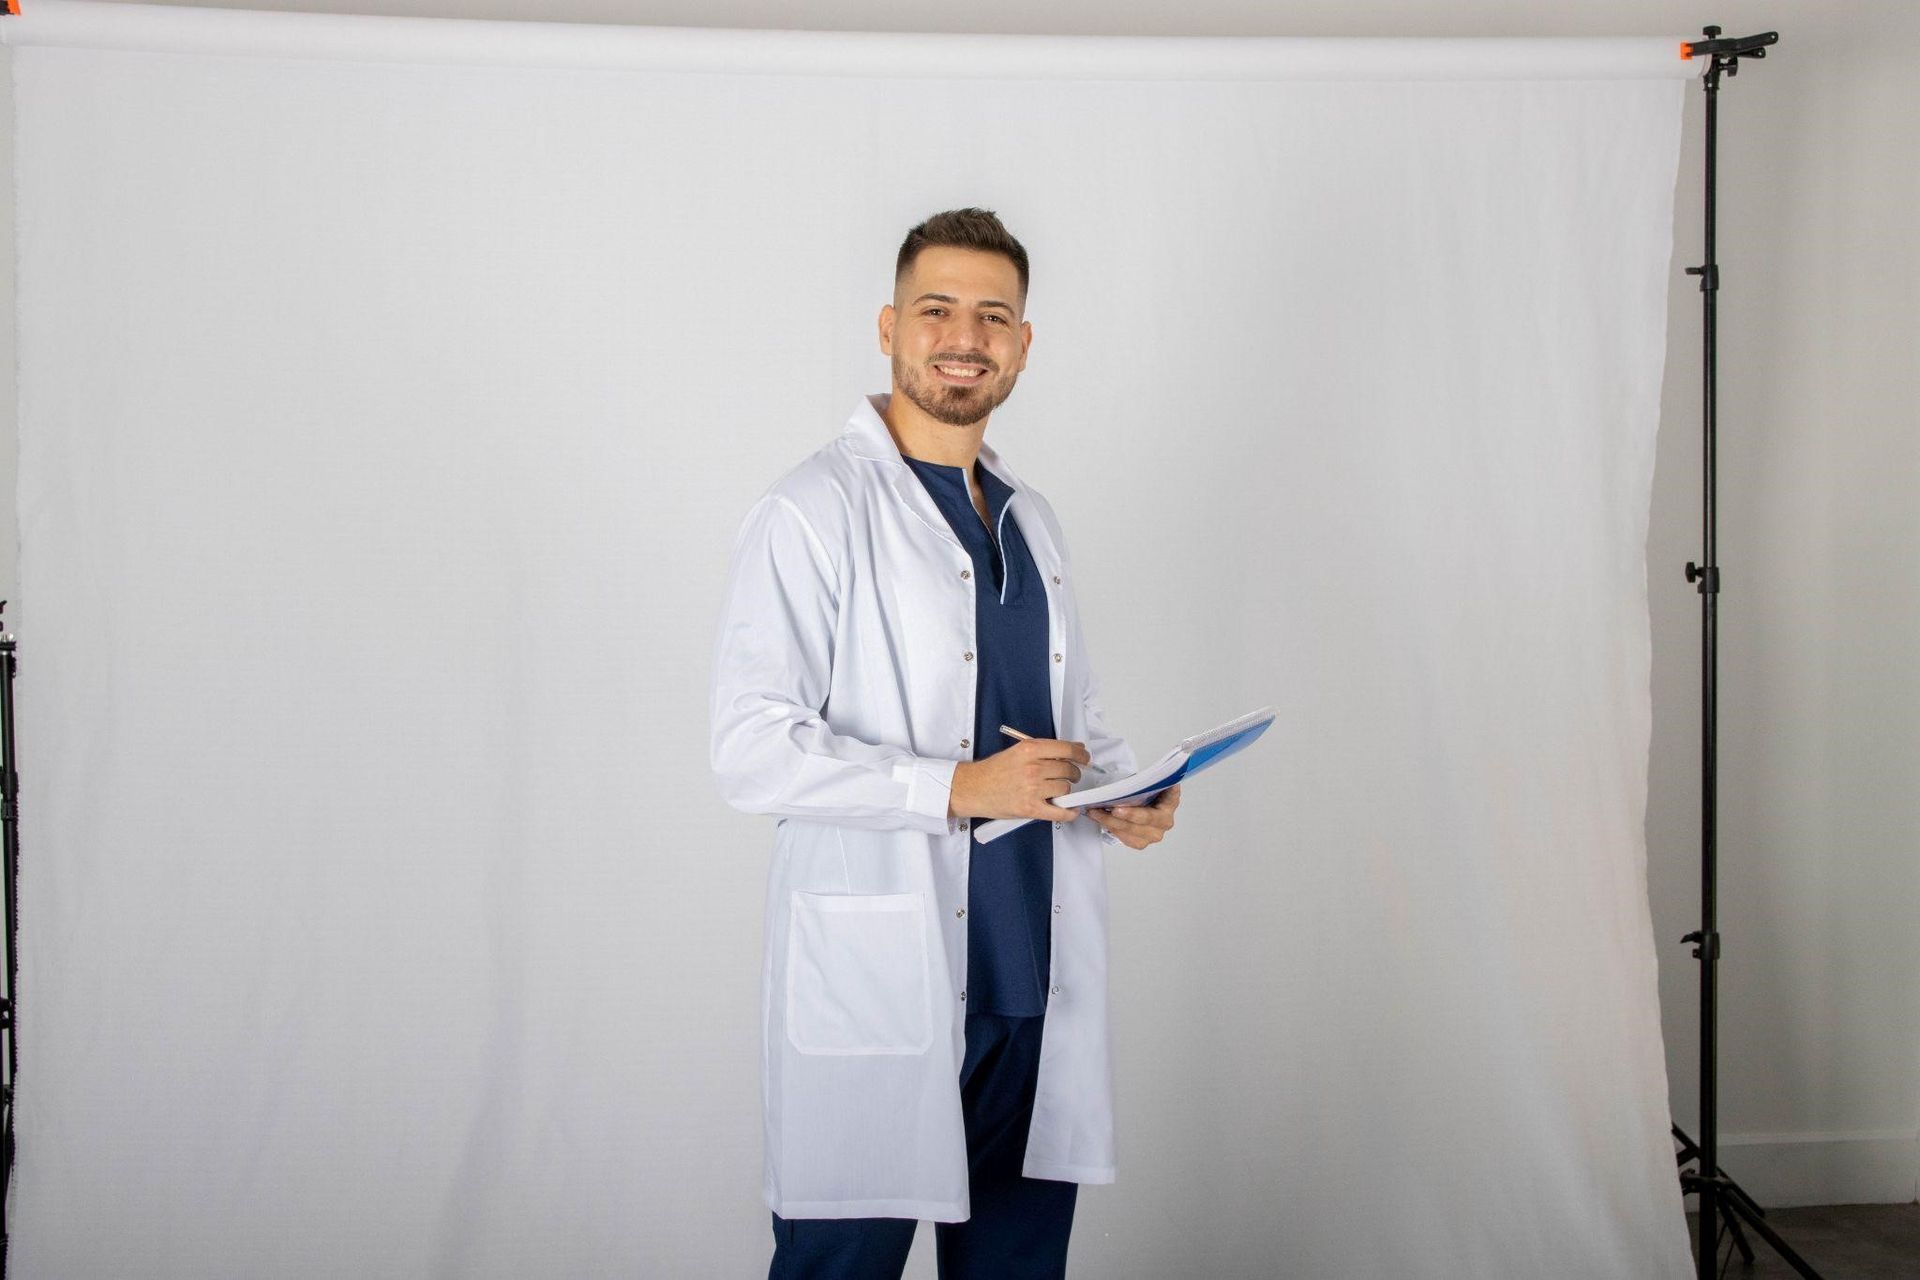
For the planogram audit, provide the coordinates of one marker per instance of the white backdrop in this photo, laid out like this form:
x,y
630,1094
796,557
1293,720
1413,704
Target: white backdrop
x,y
390,391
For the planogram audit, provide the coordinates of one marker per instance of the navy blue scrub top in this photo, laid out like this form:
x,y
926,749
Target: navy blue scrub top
x,y
1010,880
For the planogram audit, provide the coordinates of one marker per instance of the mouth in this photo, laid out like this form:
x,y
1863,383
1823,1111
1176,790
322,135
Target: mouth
x,y
960,374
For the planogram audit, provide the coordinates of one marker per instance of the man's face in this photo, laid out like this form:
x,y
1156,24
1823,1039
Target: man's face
x,y
955,334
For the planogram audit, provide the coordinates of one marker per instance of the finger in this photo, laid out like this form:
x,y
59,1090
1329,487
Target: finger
x,y
1160,812
1130,834
1122,830
1168,799
1137,833
1143,818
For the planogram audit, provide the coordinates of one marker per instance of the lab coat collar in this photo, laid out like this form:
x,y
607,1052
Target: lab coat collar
x,y
867,436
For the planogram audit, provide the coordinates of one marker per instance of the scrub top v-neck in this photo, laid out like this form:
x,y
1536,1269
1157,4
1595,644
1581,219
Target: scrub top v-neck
x,y
1010,880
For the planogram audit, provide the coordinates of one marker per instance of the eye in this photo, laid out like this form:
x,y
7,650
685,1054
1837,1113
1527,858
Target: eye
x,y
995,315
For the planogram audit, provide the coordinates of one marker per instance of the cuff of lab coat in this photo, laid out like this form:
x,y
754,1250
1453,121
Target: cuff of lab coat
x,y
1107,836
929,793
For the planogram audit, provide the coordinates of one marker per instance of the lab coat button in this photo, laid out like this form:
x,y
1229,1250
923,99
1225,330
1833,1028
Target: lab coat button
x,y
1056,908
1056,826
1055,991
1056,579
963,995
968,573
958,912
964,742
963,826
1056,657
968,655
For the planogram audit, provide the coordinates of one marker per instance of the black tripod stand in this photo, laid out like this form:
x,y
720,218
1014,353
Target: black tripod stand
x,y
1719,1195
9,874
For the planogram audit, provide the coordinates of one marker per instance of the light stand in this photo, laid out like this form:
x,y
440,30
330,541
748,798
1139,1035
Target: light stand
x,y
1718,1193
9,872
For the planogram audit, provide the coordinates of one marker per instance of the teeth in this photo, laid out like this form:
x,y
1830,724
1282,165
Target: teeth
x,y
959,371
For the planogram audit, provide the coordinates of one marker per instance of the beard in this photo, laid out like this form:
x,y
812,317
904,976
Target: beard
x,y
957,406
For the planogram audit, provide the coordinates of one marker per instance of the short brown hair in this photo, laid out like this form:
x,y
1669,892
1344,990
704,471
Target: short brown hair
x,y
969,228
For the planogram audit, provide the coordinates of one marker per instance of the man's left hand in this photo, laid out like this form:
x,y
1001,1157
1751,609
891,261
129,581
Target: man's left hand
x,y
1138,826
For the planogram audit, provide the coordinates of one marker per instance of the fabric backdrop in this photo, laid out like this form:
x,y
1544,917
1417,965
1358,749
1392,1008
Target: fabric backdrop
x,y
390,391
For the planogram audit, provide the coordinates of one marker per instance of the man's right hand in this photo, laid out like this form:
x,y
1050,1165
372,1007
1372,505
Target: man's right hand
x,y
1019,782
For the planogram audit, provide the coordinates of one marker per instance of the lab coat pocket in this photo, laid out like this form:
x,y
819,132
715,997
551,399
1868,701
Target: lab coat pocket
x,y
857,974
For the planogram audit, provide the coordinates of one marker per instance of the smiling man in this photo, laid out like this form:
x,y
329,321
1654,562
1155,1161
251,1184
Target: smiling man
x,y
935,1008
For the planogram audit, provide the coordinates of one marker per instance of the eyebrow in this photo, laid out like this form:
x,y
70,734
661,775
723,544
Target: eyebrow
x,y
941,297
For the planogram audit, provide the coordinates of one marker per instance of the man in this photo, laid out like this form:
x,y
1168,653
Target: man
x,y
934,1009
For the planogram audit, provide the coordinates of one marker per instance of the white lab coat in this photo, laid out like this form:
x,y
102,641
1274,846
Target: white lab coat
x,y
842,698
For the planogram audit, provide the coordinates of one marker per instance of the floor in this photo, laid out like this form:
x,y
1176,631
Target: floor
x,y
1840,1241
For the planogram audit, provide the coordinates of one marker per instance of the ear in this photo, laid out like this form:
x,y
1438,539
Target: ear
x,y
1026,341
886,329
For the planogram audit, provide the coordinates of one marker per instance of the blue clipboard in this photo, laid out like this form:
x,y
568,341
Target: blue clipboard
x,y
1190,756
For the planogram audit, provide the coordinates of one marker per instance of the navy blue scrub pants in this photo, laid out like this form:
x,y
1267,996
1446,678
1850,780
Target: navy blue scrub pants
x,y
1019,1226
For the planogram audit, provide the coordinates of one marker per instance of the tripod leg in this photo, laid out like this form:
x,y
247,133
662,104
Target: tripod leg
x,y
1736,1208
1739,1238
1735,1204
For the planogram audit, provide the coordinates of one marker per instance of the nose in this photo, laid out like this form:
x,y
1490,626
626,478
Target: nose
x,y
967,334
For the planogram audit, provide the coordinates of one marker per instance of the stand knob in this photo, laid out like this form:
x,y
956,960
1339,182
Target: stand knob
x,y
1708,578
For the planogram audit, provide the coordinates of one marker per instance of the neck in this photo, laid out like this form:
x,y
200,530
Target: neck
x,y
918,435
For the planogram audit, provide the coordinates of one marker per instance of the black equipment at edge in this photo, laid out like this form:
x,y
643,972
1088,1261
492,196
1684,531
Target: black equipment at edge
x,y
1720,1196
9,872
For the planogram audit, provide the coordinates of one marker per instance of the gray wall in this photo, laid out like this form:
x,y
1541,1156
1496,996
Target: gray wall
x,y
1819,469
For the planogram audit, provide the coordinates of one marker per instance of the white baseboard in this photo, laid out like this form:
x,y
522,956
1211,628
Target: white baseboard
x,y
1782,1170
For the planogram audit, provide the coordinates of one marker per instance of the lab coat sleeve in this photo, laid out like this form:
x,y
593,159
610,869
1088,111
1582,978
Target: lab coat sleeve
x,y
1108,749
771,751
